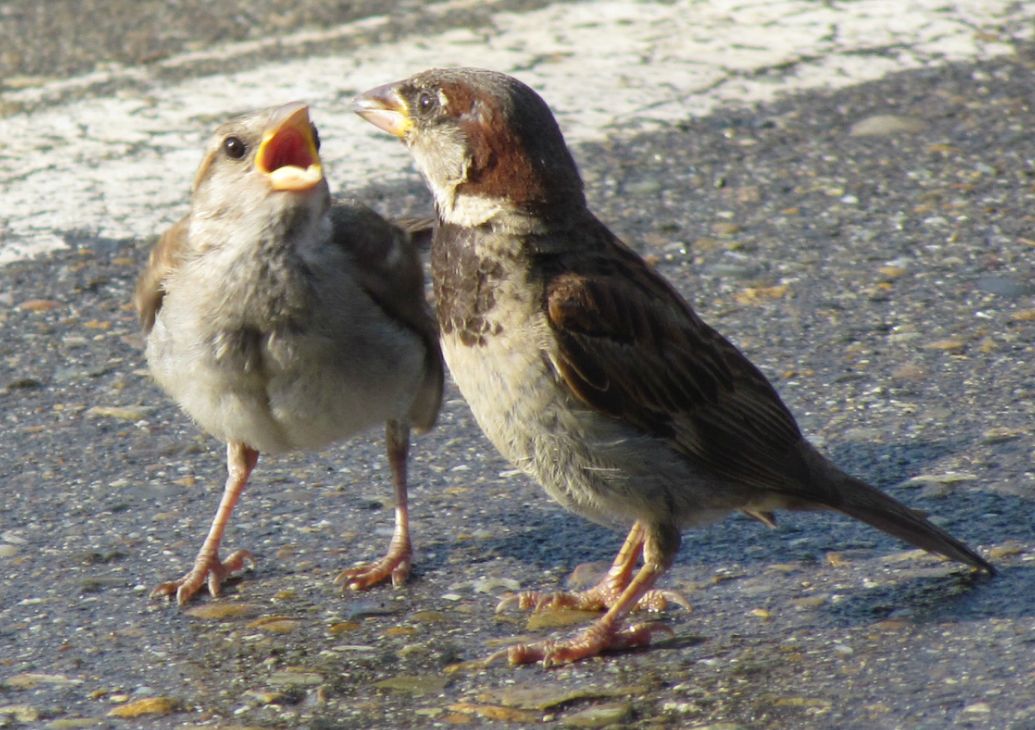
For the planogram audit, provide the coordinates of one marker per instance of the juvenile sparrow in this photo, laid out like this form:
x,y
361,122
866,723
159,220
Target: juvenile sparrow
x,y
280,322
584,367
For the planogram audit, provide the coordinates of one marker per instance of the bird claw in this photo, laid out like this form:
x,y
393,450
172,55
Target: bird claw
x,y
591,642
207,571
657,600
361,577
525,600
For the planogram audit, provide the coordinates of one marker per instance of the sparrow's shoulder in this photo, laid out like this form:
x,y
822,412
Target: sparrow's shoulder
x,y
628,345
165,258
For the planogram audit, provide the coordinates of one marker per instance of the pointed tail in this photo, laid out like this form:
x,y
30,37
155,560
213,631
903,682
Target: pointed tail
x,y
863,502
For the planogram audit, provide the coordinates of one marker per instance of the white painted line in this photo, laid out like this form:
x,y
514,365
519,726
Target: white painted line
x,y
120,167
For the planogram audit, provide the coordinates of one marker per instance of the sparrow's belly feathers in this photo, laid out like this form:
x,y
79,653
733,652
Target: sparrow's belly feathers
x,y
303,385
592,464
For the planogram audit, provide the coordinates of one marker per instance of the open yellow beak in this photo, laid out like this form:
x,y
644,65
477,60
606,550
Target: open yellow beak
x,y
287,153
385,109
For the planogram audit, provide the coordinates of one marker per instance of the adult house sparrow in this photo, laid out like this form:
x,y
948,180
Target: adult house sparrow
x,y
280,322
584,367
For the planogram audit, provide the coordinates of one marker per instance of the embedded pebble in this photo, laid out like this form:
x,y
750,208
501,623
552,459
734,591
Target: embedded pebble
x,y
949,477
883,125
31,680
948,344
220,611
341,627
1002,434
978,708
600,716
545,696
275,624
122,413
38,305
490,584
20,713
415,684
295,678
496,712
149,706
1006,550
552,618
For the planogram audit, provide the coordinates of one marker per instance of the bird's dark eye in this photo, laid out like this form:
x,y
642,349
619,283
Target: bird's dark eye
x,y
234,147
316,136
427,102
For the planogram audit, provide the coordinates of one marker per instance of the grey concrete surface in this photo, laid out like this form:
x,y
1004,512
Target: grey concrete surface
x,y
868,241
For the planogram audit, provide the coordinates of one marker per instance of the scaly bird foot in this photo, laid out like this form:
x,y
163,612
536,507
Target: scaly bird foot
x,y
591,642
395,564
210,570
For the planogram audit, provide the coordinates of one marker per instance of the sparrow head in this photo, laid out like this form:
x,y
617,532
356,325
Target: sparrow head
x,y
272,154
485,142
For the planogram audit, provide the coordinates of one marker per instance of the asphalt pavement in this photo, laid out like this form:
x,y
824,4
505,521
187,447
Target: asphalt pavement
x,y
850,198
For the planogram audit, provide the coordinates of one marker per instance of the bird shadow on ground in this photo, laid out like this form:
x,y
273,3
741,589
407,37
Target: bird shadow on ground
x,y
933,599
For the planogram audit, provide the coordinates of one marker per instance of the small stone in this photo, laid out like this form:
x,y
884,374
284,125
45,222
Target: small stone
x,y
429,617
221,611
725,228
20,713
892,272
949,477
1003,286
600,716
978,708
759,294
275,624
148,706
761,613
31,680
545,696
38,305
949,344
415,684
910,372
816,705
73,723
490,585
497,713
882,125
836,560
552,618
810,602
123,413
342,627
1002,434
295,678
264,697
1006,550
